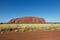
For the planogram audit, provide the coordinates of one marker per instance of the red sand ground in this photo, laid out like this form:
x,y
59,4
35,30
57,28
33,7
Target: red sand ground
x,y
38,35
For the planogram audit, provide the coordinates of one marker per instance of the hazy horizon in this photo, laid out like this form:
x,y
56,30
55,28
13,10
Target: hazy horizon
x,y
47,9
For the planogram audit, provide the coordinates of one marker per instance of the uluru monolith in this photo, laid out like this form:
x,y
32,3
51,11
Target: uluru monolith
x,y
27,19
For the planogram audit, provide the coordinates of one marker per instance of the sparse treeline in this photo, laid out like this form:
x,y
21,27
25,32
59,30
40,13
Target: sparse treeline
x,y
32,23
4,23
20,23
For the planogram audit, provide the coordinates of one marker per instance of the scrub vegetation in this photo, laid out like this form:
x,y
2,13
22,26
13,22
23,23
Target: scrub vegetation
x,y
28,27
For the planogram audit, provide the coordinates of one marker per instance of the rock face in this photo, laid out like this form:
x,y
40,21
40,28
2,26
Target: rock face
x,y
27,20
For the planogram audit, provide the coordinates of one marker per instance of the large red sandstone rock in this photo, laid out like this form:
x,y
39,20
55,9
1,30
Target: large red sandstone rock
x,y
27,20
